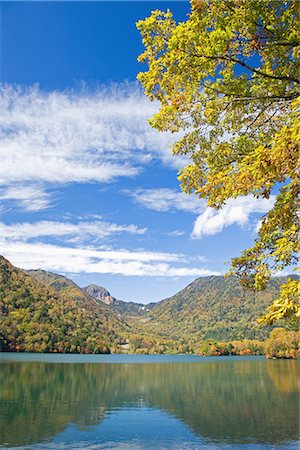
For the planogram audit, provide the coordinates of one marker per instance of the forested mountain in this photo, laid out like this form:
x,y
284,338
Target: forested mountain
x,y
36,317
210,307
214,307
43,311
68,288
125,309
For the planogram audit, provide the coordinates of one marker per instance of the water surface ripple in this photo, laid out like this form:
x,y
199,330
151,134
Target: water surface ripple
x,y
131,402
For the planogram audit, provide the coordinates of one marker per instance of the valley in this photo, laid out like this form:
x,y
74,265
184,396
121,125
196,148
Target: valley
x,y
46,312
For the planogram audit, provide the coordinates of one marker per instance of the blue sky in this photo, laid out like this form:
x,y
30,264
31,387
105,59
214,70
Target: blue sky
x,y
88,188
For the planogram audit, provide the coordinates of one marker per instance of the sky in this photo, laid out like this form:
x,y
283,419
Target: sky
x,y
88,189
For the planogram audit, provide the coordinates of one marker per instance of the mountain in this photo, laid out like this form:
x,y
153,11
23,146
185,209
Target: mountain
x,y
213,307
37,317
43,311
125,309
99,293
68,288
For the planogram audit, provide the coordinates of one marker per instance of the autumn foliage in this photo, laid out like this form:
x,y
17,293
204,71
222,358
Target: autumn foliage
x,y
283,344
228,80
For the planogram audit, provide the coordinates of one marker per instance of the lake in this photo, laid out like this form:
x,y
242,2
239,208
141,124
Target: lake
x,y
131,402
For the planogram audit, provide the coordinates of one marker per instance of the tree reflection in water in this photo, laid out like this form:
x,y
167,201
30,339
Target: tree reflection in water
x,y
226,401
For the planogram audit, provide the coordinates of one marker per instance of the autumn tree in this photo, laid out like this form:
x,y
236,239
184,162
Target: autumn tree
x,y
283,344
228,79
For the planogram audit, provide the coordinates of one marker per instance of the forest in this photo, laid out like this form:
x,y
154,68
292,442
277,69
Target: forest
x,y
63,318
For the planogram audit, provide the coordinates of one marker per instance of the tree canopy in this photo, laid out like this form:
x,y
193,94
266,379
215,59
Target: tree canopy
x,y
228,79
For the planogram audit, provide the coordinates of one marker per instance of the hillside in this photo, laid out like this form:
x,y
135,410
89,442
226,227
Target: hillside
x,y
36,317
98,294
213,307
68,288
125,309
43,311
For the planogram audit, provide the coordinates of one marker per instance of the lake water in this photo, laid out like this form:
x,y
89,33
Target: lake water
x,y
137,402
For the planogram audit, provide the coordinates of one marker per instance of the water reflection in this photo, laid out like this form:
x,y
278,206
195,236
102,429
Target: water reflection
x,y
224,402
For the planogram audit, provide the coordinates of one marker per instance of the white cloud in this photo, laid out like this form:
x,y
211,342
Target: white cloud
x,y
236,211
75,232
293,270
75,260
166,200
3,209
258,225
175,233
210,221
28,197
21,246
62,137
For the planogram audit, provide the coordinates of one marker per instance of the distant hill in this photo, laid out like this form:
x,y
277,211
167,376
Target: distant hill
x,y
125,309
37,317
99,293
43,311
67,287
214,307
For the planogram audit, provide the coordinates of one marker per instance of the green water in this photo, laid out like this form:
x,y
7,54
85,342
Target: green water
x,y
141,402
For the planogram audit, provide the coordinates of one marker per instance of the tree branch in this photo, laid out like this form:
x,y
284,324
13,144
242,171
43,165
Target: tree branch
x,y
287,44
267,97
243,64
262,111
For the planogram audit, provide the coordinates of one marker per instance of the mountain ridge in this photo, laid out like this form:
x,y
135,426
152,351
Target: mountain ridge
x,y
215,307
39,317
101,294
211,307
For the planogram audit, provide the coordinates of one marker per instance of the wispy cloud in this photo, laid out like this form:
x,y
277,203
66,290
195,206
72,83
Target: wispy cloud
x,y
62,137
74,232
175,233
72,248
166,200
30,198
84,260
236,211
